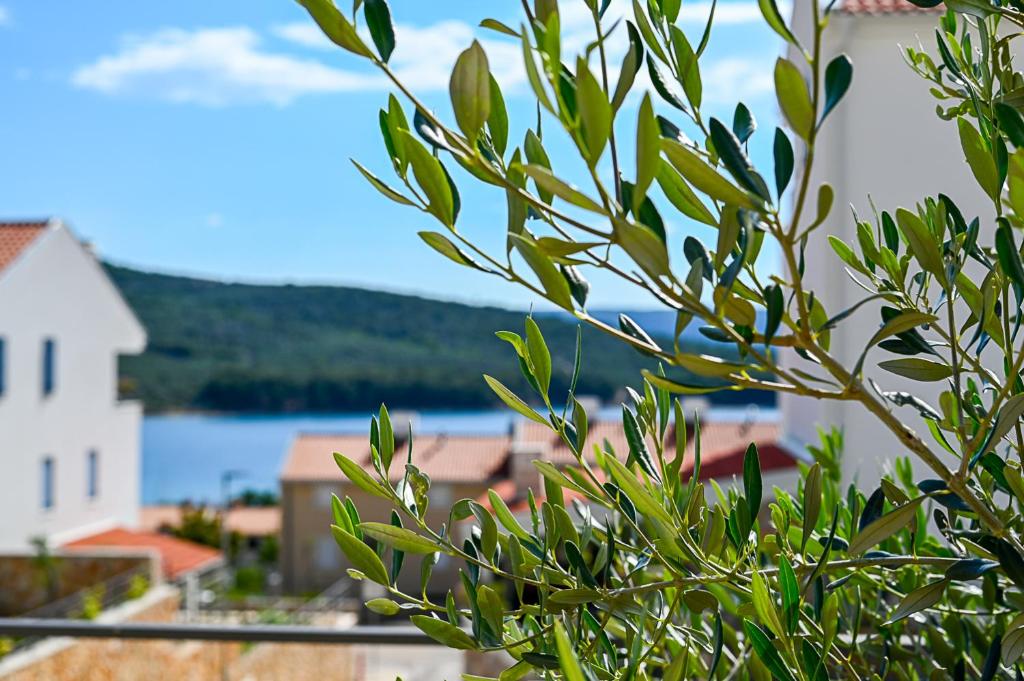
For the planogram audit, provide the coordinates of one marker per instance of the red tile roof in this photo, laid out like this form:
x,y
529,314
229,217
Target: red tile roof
x,y
445,458
723,445
870,7
249,521
177,556
15,237
482,458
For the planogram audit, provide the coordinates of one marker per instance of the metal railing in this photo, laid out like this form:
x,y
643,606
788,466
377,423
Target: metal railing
x,y
17,627
105,594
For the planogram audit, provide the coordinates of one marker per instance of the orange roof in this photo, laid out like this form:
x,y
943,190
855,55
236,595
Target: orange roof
x,y
886,7
249,521
15,237
723,445
445,458
177,556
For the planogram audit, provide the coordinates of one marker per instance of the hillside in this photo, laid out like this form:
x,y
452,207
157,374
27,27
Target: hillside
x,y
258,348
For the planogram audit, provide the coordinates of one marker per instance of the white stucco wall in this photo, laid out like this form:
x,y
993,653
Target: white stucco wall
x,y
57,289
884,141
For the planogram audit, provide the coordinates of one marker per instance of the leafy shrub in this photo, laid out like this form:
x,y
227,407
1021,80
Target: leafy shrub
x,y
649,580
92,602
138,586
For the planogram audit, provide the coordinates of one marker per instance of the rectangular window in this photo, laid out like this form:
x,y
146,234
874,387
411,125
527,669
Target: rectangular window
x,y
48,482
3,366
93,474
49,366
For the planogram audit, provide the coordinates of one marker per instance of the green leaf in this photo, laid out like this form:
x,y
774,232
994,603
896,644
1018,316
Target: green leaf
x,y
497,120
648,150
637,444
917,600
555,286
736,162
783,151
767,653
704,177
979,158
773,17
532,74
707,365
901,323
764,604
883,528
362,557
360,478
630,67
687,67
1009,416
505,516
775,307
575,596
546,180
378,20
922,242
400,538
498,27
812,503
794,98
444,632
917,369
431,178
643,246
383,606
380,186
752,481
1011,122
567,660
682,196
470,89
838,75
790,595
595,113
513,401
539,355
444,246
640,497
1009,257
335,26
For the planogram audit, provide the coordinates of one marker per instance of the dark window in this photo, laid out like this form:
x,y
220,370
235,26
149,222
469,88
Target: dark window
x,y
49,366
48,475
93,479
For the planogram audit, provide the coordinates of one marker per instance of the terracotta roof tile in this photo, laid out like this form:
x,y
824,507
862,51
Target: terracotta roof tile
x,y
15,237
723,445
250,521
445,458
861,7
177,556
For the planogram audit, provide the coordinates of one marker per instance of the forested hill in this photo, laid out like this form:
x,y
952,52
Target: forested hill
x,y
255,348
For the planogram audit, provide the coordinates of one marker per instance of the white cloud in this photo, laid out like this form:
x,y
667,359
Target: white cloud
x,y
214,67
736,78
238,65
222,66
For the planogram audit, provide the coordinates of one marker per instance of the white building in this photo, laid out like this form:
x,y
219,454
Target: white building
x,y
69,448
883,141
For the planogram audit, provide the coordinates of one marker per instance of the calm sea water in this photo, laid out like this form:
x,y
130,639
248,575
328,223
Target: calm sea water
x,y
183,456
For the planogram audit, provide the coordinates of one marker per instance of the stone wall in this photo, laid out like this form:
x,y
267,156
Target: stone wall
x,y
25,586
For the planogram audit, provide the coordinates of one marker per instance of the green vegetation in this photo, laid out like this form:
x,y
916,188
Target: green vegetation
x,y
247,348
645,575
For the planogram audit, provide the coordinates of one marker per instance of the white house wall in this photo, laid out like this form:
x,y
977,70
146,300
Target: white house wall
x,y
883,141
56,289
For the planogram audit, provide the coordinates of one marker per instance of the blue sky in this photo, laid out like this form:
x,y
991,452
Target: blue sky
x,y
213,138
